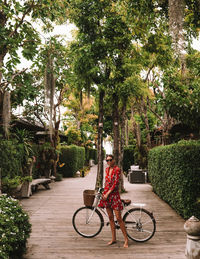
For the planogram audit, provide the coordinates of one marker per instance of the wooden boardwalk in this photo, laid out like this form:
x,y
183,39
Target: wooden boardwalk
x,y
53,236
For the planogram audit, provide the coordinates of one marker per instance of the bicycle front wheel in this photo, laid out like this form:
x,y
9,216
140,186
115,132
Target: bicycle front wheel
x,y
140,224
88,222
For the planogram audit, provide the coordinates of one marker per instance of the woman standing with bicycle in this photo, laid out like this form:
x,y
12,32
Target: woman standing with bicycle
x,y
111,199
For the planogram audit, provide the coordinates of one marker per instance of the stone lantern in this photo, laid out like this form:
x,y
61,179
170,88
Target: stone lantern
x,y
192,228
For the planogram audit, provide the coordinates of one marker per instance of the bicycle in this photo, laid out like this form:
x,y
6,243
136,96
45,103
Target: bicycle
x,y
140,224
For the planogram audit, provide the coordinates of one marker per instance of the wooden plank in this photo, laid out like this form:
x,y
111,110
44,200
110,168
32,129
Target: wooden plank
x,y
53,235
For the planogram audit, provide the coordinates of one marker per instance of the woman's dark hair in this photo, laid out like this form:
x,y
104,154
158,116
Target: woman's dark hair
x,y
110,156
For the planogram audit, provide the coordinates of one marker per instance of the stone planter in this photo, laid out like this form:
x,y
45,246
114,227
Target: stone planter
x,y
26,189
192,228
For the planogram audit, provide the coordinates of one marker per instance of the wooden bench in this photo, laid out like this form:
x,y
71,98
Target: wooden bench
x,y
40,181
29,187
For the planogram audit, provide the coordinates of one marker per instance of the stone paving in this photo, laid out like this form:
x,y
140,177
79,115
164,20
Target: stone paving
x,y
53,235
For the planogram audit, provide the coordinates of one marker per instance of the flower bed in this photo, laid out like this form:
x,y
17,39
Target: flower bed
x,y
14,228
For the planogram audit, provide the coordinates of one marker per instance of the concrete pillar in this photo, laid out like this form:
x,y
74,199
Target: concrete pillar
x,y
192,228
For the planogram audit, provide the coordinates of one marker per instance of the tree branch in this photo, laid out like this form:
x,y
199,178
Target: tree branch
x,y
5,84
22,19
36,113
152,66
158,116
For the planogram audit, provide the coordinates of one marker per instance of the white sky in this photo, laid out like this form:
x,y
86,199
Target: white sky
x,y
67,31
196,44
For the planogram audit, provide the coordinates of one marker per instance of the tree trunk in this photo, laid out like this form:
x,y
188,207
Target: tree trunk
x,y
6,113
1,87
126,132
116,142
169,122
176,20
136,128
1,109
55,141
123,131
2,56
99,180
146,122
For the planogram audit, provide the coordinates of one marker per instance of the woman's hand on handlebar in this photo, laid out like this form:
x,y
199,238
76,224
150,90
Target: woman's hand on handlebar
x,y
105,196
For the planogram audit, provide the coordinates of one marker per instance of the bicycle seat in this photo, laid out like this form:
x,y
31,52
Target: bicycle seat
x,y
126,202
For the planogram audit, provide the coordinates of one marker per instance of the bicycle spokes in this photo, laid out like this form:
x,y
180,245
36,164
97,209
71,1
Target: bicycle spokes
x,y
140,224
87,222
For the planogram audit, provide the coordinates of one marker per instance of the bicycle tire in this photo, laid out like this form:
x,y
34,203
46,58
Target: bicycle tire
x,y
140,224
87,229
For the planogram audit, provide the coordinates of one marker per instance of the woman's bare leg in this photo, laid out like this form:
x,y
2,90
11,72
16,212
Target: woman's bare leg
x,y
112,225
122,226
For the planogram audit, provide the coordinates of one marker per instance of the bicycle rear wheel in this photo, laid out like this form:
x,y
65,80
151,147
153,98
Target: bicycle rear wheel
x,y
140,224
87,222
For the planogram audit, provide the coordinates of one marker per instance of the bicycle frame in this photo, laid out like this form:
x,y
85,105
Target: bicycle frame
x,y
139,222
103,211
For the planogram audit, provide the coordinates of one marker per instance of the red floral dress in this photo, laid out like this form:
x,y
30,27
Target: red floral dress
x,y
112,183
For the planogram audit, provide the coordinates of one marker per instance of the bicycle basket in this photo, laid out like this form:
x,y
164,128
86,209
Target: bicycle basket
x,y
88,197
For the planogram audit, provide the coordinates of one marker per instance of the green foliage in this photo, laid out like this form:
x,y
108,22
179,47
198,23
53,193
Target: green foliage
x,y
12,158
93,155
90,153
73,136
24,137
18,32
10,185
81,157
73,158
182,93
14,228
128,159
55,49
141,156
174,172
44,160
59,177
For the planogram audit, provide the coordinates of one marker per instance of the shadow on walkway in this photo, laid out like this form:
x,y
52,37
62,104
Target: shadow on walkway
x,y
53,236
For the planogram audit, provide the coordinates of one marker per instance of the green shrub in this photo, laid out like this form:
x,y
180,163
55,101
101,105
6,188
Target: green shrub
x,y
11,158
11,186
14,228
174,172
81,157
128,159
73,158
59,177
87,153
90,153
93,155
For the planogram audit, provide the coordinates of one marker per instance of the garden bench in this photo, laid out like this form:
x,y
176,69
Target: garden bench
x,y
40,181
29,187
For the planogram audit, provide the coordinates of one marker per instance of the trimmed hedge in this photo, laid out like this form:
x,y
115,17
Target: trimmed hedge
x,y
174,172
81,157
91,153
128,159
73,158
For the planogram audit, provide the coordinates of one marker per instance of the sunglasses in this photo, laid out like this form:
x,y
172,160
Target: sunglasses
x,y
109,160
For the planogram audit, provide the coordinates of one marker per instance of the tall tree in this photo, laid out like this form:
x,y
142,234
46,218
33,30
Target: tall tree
x,y
51,74
18,34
